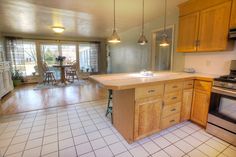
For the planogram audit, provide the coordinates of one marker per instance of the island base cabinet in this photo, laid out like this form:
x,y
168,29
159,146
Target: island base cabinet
x,y
200,106
147,117
123,113
186,105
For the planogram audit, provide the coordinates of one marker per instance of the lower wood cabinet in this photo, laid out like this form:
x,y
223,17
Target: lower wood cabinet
x,y
186,104
200,106
169,121
147,117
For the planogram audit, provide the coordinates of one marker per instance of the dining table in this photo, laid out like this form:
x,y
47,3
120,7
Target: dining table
x,y
62,70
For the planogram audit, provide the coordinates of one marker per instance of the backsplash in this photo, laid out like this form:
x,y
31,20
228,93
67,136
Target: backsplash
x,y
217,63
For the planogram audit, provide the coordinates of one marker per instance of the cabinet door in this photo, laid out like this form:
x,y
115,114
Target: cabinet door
x,y
147,118
188,32
213,28
200,106
187,104
233,15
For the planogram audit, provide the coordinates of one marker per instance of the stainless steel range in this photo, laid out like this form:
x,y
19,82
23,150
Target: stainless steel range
x,y
222,111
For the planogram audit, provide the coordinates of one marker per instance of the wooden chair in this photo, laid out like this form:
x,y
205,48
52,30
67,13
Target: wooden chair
x,y
48,75
109,106
72,72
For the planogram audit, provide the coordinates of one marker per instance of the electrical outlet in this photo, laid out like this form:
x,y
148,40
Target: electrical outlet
x,y
208,63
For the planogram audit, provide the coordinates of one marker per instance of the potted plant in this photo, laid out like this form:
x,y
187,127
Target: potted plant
x,y
17,78
60,59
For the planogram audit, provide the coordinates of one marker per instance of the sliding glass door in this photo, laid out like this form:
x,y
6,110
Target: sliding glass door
x,y
88,57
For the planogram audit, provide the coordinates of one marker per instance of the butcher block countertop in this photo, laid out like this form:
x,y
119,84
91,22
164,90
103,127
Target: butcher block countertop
x,y
132,80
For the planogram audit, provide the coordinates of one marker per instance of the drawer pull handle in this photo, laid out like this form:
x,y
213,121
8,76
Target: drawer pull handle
x,y
172,121
174,109
174,98
151,91
174,86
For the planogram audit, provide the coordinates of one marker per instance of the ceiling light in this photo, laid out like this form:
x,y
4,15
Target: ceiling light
x,y
58,29
142,39
114,37
164,37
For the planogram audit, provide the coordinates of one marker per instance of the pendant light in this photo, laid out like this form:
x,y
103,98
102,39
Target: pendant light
x,y
164,36
142,39
114,37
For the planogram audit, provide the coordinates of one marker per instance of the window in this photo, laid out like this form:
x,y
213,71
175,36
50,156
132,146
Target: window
x,y
69,51
49,53
88,57
22,54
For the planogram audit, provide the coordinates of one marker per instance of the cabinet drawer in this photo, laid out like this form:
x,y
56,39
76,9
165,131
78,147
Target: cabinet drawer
x,y
149,91
173,97
202,85
170,87
169,121
188,84
171,109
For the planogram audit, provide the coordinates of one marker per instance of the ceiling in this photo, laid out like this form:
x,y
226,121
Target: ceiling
x,y
83,18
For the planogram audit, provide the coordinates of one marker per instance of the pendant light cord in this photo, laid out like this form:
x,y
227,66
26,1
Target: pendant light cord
x,y
114,9
165,17
143,19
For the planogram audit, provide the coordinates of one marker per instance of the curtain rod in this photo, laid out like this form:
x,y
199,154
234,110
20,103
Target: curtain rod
x,y
53,39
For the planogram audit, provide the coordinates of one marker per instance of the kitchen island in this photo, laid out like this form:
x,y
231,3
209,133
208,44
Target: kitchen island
x,y
144,105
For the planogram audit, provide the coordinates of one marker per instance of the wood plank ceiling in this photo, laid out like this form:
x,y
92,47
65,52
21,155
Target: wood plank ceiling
x,y
84,18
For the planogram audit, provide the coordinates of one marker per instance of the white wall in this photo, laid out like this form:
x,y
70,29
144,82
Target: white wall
x,y
129,56
217,63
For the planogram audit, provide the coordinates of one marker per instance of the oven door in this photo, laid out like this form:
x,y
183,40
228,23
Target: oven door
x,y
223,104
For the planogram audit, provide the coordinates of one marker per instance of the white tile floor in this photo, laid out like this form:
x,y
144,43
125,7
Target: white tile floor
x,y
83,130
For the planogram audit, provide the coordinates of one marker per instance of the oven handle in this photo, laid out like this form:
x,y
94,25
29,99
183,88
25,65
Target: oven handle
x,y
224,91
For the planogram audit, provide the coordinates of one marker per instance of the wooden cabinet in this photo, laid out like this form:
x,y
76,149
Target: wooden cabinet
x,y
186,104
233,15
188,33
214,27
205,30
201,101
147,117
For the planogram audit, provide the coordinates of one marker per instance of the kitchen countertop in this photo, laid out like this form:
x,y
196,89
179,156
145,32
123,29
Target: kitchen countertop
x,y
132,80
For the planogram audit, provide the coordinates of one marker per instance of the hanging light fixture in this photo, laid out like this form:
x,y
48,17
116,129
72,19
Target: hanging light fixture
x,y
114,37
58,29
164,36
142,39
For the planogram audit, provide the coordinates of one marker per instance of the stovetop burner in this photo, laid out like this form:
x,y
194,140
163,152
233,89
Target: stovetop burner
x,y
227,78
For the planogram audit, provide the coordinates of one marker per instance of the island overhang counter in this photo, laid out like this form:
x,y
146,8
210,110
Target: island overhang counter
x,y
144,105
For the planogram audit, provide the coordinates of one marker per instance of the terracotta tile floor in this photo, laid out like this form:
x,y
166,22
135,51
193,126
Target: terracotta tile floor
x,y
83,130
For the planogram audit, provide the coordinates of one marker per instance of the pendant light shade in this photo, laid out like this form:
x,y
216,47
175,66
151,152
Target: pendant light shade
x,y
114,38
142,39
164,36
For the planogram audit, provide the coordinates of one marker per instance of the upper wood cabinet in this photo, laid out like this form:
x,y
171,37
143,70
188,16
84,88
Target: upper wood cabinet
x,y
233,15
204,30
188,33
214,28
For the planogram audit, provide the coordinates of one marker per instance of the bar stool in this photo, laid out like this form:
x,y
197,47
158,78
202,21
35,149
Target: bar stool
x,y
109,106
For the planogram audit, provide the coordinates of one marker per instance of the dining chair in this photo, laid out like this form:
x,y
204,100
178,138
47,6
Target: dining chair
x,y
72,72
48,75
